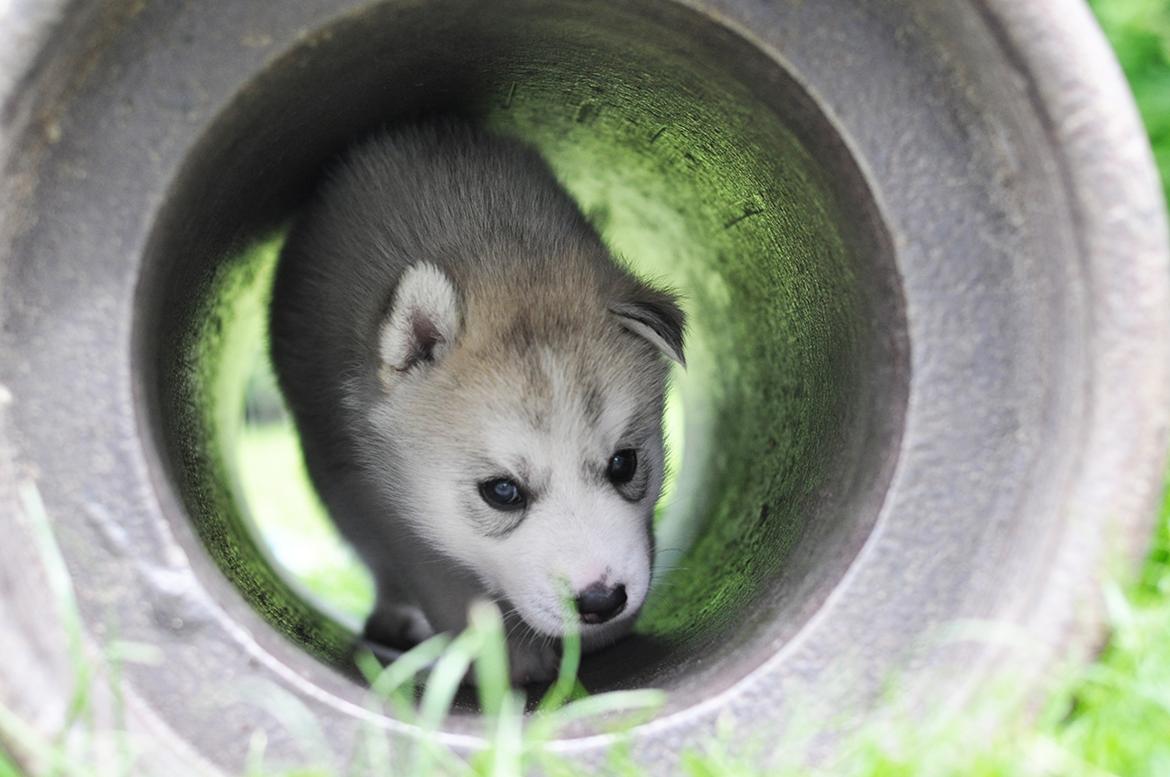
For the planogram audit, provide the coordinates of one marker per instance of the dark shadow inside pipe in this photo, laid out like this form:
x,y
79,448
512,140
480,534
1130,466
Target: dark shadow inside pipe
x,y
701,162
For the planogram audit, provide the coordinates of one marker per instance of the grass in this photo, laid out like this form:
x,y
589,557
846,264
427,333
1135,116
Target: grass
x,y
1110,718
85,748
1140,33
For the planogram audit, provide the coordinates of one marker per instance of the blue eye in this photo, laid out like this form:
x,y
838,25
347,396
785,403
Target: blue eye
x,y
622,466
502,494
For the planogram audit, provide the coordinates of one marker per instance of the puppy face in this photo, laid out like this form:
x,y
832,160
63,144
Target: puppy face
x,y
528,447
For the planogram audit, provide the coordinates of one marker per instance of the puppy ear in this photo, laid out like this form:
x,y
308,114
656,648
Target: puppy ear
x,y
423,320
656,317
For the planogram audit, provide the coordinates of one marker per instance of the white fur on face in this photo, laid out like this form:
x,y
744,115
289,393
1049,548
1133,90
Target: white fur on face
x,y
577,529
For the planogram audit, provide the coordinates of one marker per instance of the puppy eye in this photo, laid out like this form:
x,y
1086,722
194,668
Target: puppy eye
x,y
502,494
622,466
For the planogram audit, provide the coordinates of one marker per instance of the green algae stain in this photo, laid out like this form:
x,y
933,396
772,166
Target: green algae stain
x,y
216,360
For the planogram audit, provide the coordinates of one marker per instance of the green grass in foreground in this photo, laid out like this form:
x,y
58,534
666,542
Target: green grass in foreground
x,y
1112,718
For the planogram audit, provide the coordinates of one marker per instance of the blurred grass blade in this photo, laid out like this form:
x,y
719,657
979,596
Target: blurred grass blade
x,y
508,738
257,747
64,597
491,665
295,718
548,724
386,681
441,687
7,767
445,678
566,683
16,732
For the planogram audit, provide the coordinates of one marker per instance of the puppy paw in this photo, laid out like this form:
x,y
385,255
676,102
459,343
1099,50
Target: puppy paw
x,y
534,661
399,626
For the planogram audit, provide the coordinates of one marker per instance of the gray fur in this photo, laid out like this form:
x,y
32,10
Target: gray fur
x,y
543,350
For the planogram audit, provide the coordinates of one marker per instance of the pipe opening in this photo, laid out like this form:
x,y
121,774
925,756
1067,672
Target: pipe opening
x,y
701,162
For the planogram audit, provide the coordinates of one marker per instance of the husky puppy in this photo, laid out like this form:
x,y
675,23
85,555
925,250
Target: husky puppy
x,y
478,387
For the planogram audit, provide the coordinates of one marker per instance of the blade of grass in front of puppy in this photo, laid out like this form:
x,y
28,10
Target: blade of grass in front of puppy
x,y
257,749
65,599
295,718
441,687
566,683
501,705
7,767
444,680
506,756
642,701
395,681
491,665
33,745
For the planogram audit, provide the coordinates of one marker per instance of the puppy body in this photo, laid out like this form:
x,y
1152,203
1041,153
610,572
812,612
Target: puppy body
x,y
472,374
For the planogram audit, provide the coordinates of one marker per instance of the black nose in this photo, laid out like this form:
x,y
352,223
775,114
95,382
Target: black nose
x,y
597,603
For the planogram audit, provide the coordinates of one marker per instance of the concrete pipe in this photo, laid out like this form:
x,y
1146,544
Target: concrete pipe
x,y
925,260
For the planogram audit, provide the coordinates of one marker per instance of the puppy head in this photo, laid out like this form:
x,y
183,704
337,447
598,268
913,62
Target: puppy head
x,y
526,439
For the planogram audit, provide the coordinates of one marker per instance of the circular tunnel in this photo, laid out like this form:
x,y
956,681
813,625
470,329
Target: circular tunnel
x,y
925,379
796,388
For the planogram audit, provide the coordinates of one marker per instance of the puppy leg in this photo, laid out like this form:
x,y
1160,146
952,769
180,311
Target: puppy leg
x,y
396,621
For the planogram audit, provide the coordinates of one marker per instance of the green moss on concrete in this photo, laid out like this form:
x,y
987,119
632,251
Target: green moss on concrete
x,y
217,357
